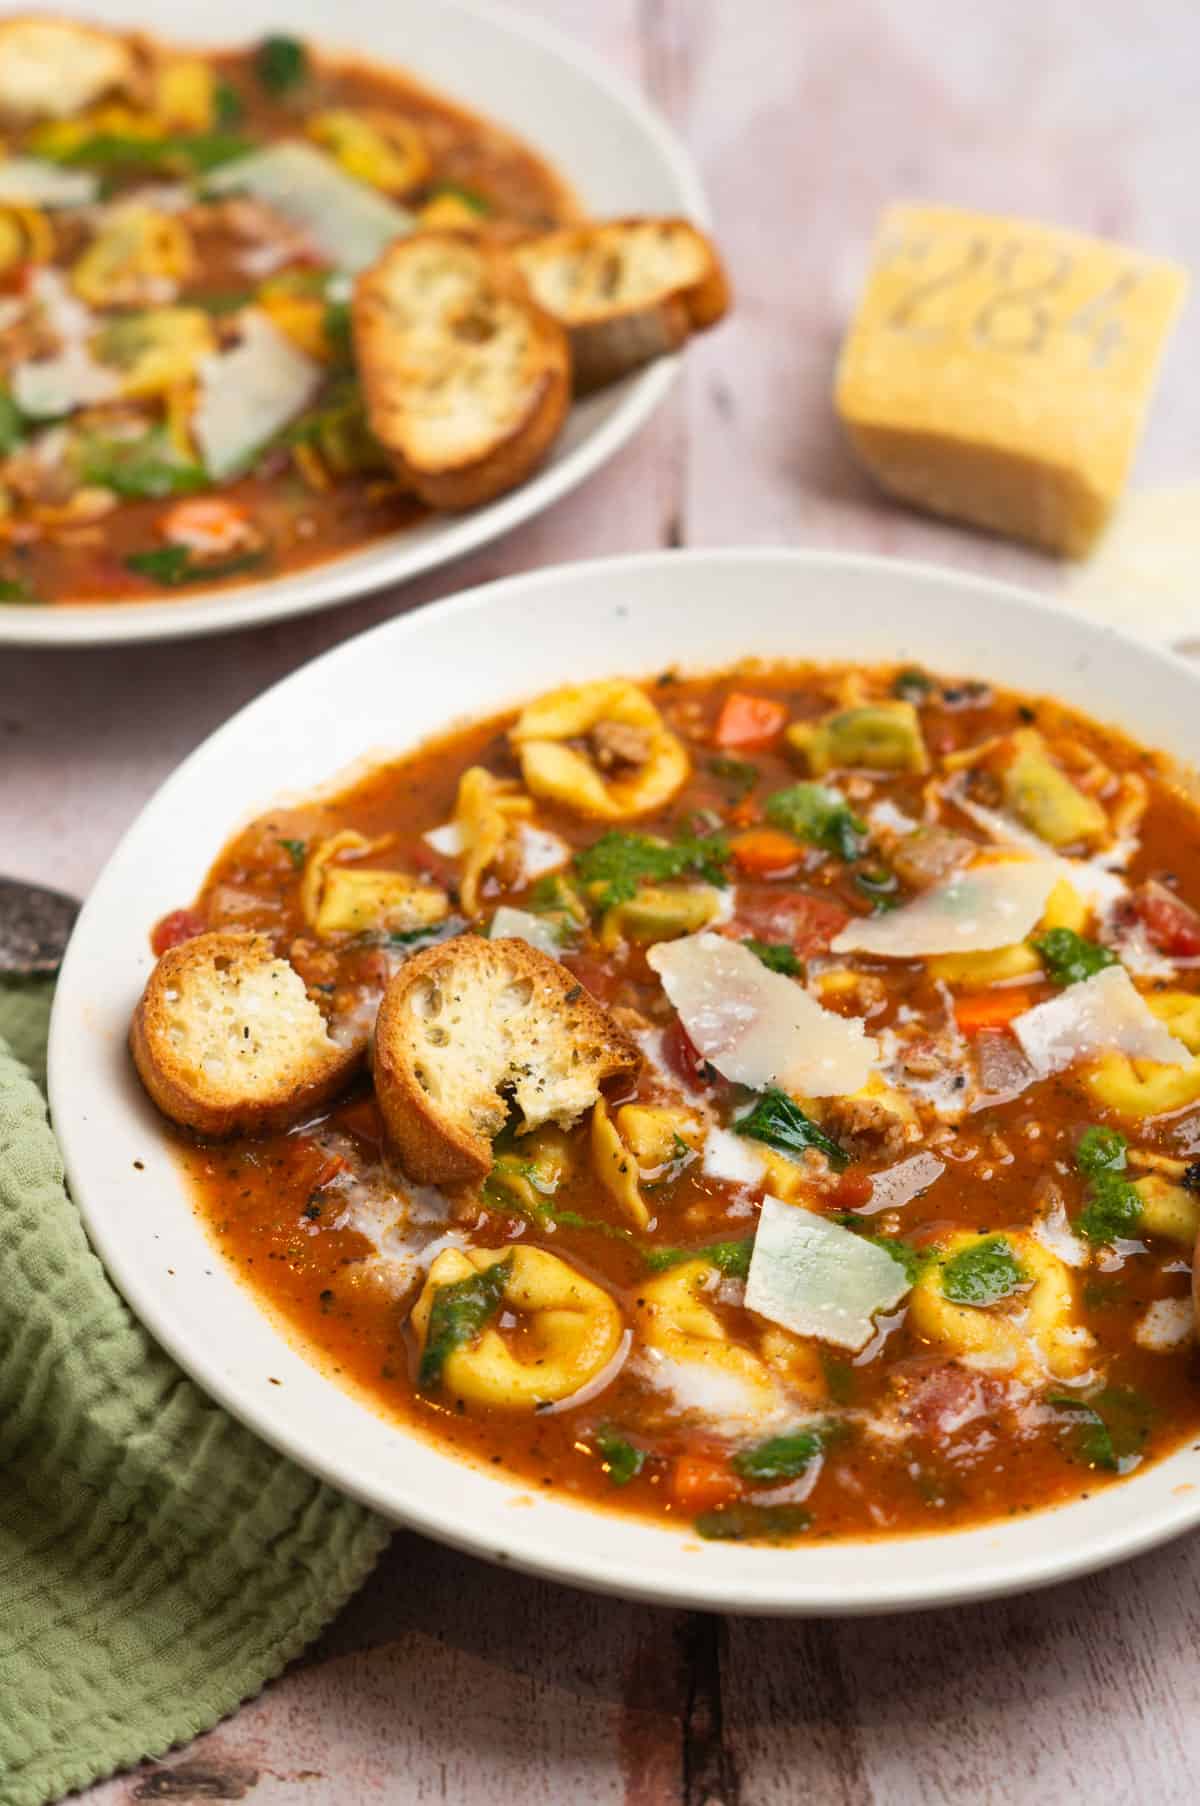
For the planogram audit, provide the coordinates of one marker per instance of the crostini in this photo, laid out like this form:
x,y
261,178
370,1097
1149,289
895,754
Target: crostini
x,y
227,1040
627,291
52,68
467,380
470,1028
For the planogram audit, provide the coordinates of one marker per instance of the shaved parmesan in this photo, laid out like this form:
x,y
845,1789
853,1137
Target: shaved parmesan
x,y
731,1158
57,385
1092,878
1166,1325
521,925
28,182
757,1027
540,852
347,222
446,840
817,1279
974,912
1104,1014
249,393
72,377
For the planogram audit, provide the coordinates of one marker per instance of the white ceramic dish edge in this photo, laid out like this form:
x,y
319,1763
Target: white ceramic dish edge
x,y
666,181
797,604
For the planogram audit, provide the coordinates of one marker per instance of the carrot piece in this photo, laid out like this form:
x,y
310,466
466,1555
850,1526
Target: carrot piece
x,y
209,524
765,851
990,1009
699,1483
749,720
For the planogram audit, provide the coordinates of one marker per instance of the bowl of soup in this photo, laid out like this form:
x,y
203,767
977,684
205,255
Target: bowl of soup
x,y
765,1111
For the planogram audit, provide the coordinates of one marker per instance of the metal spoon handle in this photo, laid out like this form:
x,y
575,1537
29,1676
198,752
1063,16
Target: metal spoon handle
x,y
35,926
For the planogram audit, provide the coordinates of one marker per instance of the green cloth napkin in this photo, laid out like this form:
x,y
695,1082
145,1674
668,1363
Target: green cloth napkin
x,y
158,1563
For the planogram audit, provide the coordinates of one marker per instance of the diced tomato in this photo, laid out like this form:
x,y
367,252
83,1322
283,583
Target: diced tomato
x,y
749,720
804,922
181,925
702,1483
1172,924
991,1009
680,1053
766,852
853,1189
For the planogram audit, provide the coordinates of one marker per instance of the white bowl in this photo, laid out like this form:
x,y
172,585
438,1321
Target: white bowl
x,y
384,692
598,132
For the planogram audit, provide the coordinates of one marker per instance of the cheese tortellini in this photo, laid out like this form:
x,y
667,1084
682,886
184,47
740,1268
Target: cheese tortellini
x,y
600,749
678,1322
570,1330
141,256
1065,908
728,1381
486,811
381,149
156,351
1030,1332
1143,1088
351,899
641,1143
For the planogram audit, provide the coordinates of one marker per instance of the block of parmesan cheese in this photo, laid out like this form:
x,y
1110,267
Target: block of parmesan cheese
x,y
998,371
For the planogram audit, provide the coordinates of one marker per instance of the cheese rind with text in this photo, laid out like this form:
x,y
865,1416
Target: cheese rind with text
x,y
998,371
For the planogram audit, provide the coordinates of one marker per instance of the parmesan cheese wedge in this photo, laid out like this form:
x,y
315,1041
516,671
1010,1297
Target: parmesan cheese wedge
x,y
757,1027
1104,1014
986,907
345,221
817,1279
998,371
248,393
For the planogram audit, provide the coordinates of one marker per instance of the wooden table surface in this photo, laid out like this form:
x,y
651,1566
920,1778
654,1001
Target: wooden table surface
x,y
446,1679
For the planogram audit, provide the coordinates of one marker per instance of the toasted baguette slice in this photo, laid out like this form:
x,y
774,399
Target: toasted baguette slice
x,y
626,290
52,68
472,1024
467,381
227,1041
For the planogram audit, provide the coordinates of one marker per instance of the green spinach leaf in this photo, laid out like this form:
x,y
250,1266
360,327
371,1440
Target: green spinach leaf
x,y
457,1316
780,1122
820,816
614,866
1069,958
